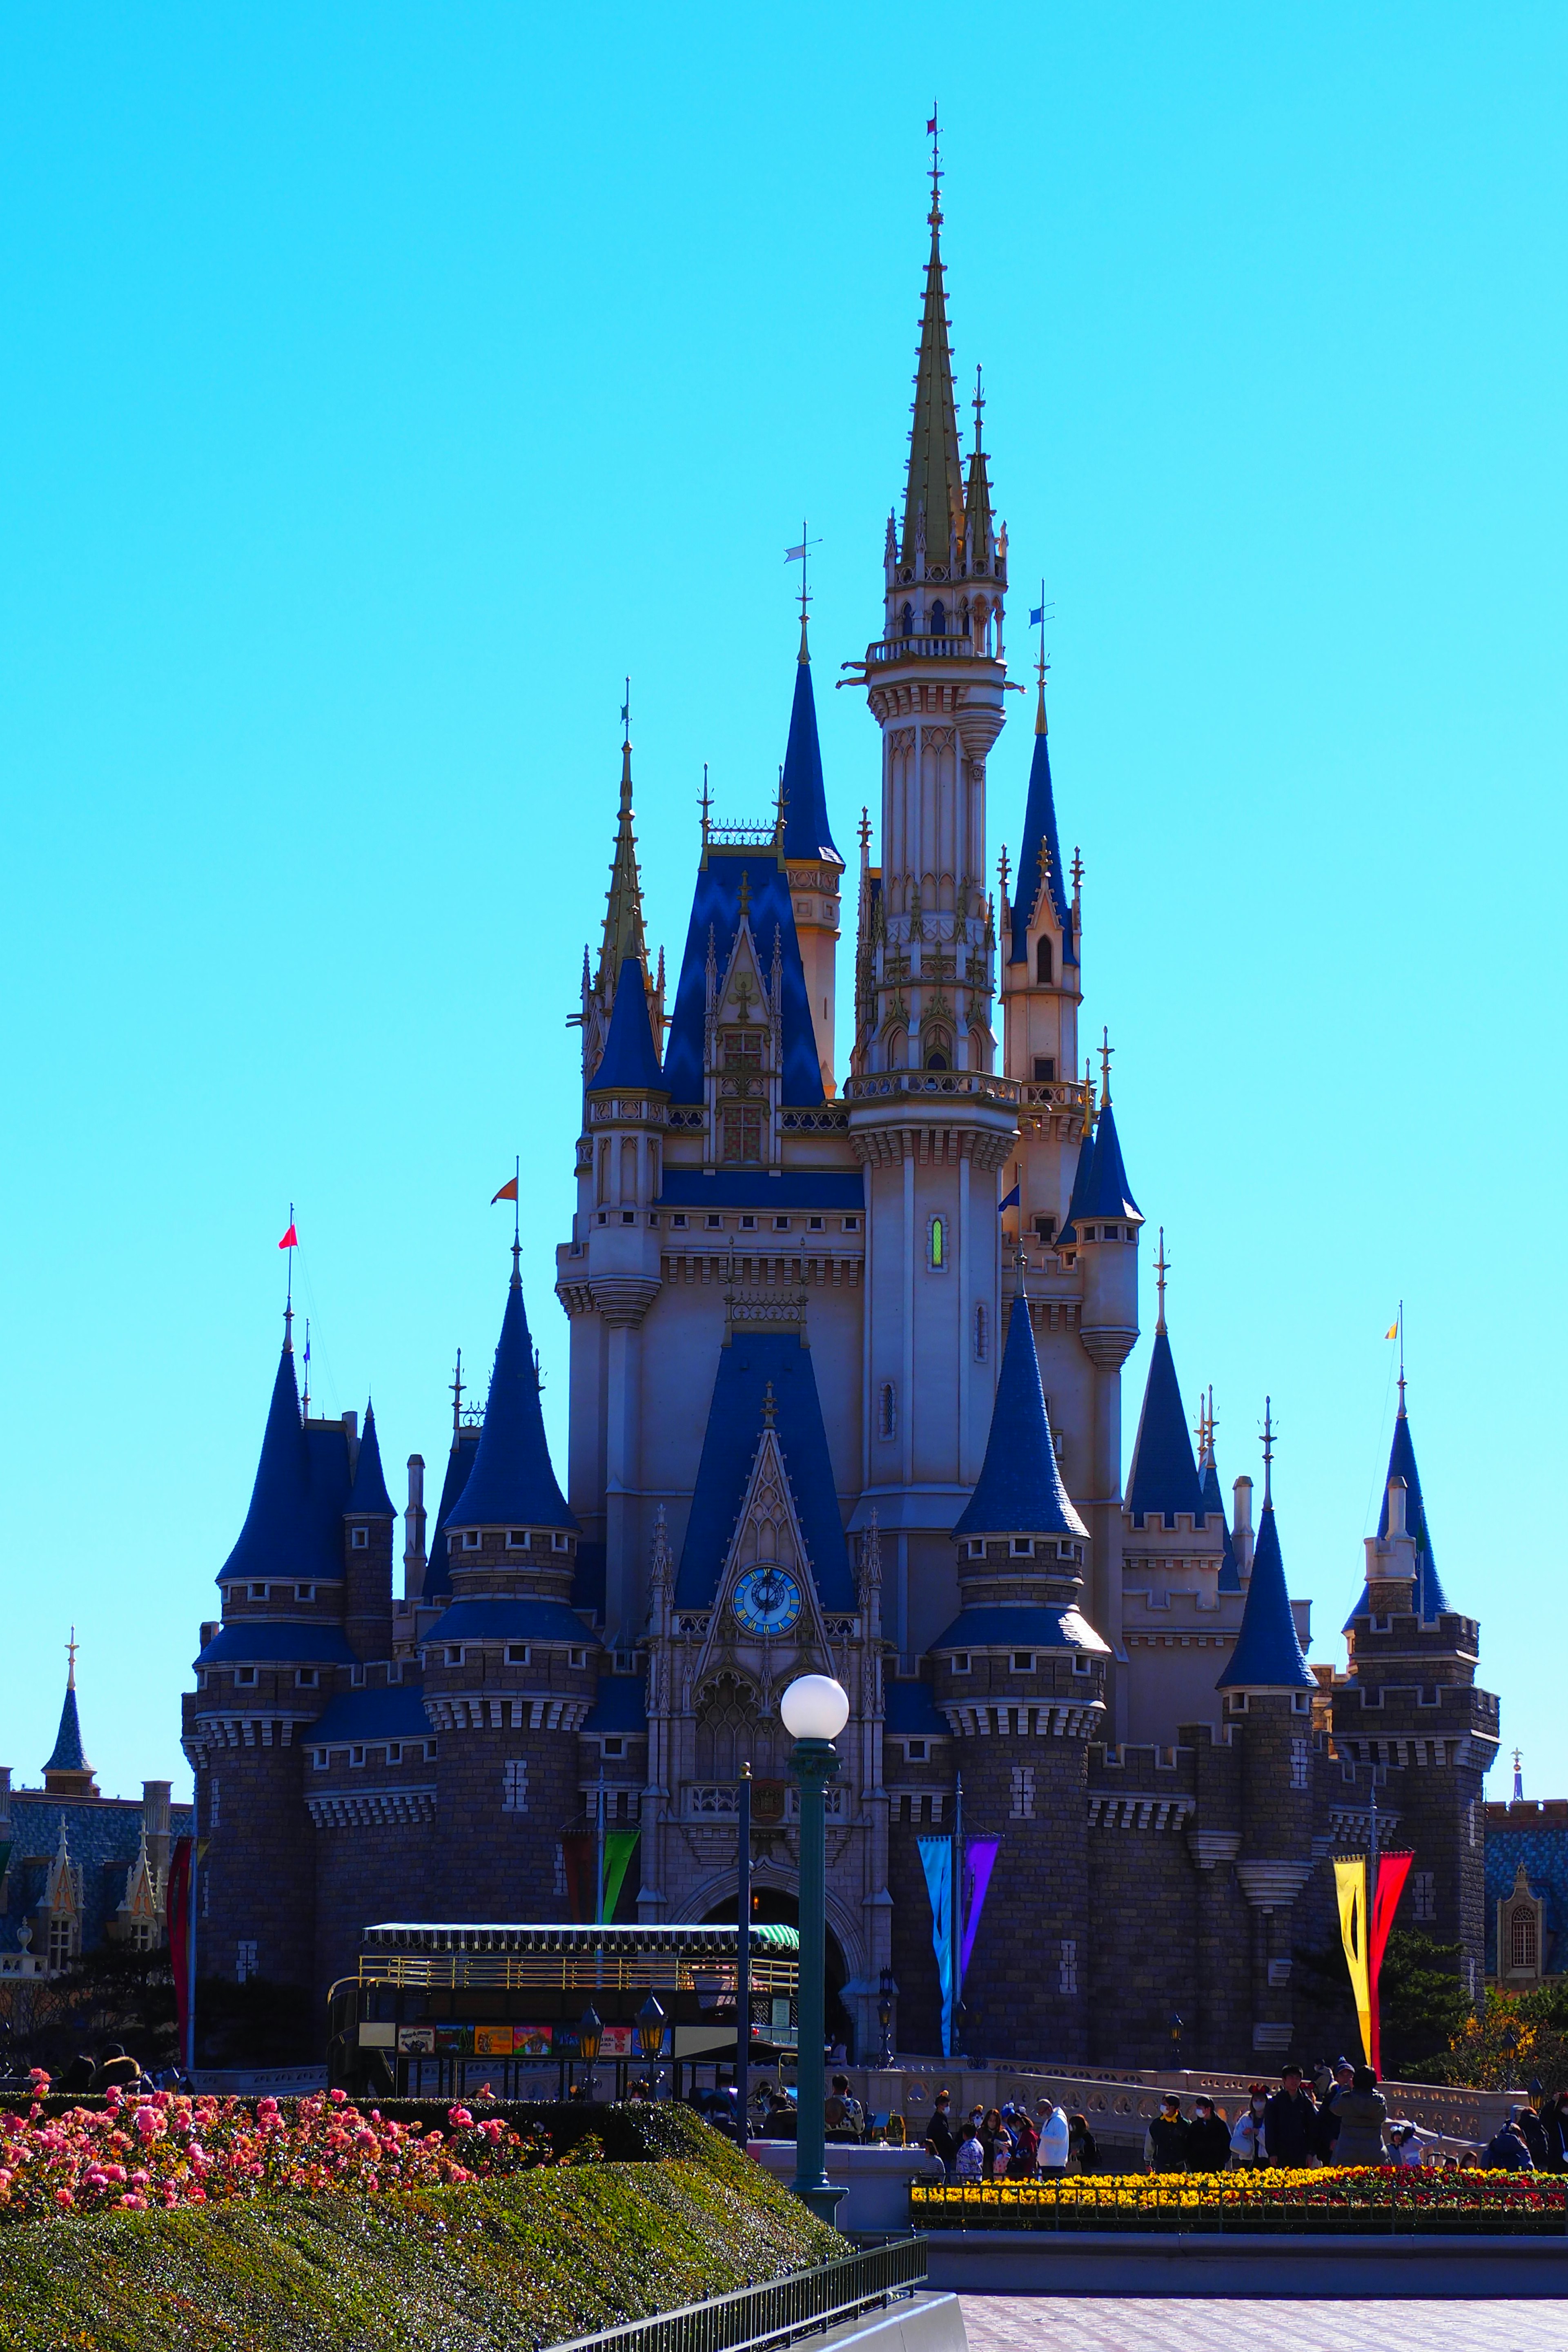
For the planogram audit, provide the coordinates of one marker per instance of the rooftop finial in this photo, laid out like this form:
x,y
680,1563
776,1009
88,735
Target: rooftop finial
x,y
626,719
1269,1433
865,832
1518,1777
768,1406
978,405
457,1398
623,934
1399,1331
745,894
71,1647
1161,1269
798,555
290,1241
1106,1051
934,134
1038,621
1004,869
705,804
305,1400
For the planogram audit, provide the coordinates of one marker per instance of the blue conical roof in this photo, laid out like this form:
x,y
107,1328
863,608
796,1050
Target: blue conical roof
x,y
1164,1477
368,1496
68,1756
630,1059
1431,1600
511,1483
1229,1573
276,1540
1266,1655
1020,1490
806,831
1082,1174
1040,833
1109,1193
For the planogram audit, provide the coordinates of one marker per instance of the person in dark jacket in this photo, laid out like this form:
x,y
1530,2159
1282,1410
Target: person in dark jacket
x,y
1291,2122
1554,2128
1533,2132
1362,2114
941,2138
1507,2150
1168,2137
77,2076
1083,2148
1208,2139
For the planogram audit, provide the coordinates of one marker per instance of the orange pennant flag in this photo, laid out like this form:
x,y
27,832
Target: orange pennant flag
x,y
507,1191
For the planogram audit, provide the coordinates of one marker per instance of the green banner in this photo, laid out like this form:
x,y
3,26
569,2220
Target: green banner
x,y
619,1847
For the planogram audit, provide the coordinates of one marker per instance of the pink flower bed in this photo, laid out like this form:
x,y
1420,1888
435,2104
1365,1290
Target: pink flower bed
x,y
167,2151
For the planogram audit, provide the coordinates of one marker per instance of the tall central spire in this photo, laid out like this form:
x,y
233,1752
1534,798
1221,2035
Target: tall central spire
x,y
623,912
936,489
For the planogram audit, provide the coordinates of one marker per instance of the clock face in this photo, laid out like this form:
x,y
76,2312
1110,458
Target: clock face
x,y
767,1600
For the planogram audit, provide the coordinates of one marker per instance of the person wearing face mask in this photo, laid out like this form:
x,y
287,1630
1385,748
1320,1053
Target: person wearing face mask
x,y
1246,2134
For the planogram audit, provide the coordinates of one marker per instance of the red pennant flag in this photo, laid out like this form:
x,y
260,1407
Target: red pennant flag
x,y
931,128
507,1191
291,1240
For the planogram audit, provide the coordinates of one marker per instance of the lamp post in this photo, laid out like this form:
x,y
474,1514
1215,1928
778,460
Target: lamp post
x,y
815,1710
650,2035
590,2036
888,1993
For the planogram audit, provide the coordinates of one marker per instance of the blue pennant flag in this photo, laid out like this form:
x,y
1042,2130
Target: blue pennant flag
x,y
1011,1200
1036,617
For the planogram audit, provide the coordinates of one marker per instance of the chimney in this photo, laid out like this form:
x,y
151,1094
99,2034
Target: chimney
x,y
155,1797
413,1530
1398,1496
1241,1524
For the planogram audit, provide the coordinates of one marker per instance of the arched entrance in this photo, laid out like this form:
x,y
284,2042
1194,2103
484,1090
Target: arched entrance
x,y
777,1903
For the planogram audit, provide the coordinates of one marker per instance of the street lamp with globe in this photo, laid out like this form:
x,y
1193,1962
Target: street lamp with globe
x,y
814,1710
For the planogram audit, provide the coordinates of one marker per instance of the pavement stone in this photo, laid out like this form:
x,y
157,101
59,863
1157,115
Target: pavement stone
x,y
1017,2323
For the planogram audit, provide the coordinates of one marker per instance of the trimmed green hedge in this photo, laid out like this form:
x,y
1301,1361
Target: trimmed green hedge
x,y
499,2268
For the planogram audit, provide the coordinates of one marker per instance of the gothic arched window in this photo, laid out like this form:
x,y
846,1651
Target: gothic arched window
x,y
938,619
936,1257
981,1331
1044,972
908,620
887,1410
726,1728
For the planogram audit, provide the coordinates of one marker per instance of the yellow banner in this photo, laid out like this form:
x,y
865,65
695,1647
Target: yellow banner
x,y
1350,1886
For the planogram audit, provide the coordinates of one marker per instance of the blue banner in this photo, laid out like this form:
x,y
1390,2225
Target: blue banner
x,y
936,1859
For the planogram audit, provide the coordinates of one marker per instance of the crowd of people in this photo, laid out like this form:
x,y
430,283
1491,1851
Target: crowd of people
x,y
1341,2117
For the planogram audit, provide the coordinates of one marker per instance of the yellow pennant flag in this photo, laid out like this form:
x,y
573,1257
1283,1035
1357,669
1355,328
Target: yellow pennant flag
x,y
1392,1332
1350,1886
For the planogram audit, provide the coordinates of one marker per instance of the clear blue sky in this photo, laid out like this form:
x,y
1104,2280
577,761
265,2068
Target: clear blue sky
x,y
380,383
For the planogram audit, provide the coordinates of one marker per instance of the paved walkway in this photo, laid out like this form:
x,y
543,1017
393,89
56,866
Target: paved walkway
x,y
1020,2323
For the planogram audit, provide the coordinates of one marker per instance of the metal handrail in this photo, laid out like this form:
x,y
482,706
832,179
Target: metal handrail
x,y
753,2317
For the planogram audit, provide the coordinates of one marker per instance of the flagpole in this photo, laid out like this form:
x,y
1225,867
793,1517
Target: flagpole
x,y
956,1914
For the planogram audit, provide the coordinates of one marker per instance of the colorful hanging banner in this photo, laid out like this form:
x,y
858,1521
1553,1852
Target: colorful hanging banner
x,y
979,1862
619,1847
178,1913
580,1864
1363,1930
1393,1870
936,1860
1350,1887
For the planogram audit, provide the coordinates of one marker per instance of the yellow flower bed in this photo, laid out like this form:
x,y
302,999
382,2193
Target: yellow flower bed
x,y
1400,2195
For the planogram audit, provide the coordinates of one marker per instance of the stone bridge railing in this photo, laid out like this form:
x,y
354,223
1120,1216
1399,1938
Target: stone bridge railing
x,y
1120,2104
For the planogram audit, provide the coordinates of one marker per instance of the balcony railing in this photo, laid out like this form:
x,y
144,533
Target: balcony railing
x,y
979,1086
883,650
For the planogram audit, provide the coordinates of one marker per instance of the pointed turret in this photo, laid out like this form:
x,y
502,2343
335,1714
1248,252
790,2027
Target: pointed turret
x,y
1431,1600
1020,1490
934,497
278,1538
1267,1654
630,1059
68,1773
1108,1193
1040,858
368,1498
512,1482
1164,1477
979,535
806,831
1082,1177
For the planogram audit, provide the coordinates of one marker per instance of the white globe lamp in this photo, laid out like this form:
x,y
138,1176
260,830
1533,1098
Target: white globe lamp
x,y
814,1707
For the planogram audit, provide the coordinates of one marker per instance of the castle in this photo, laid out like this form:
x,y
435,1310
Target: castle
x,y
845,1394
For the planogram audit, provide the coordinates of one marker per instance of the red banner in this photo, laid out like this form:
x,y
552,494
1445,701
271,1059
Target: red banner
x,y
1392,1870
580,1858
179,1918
